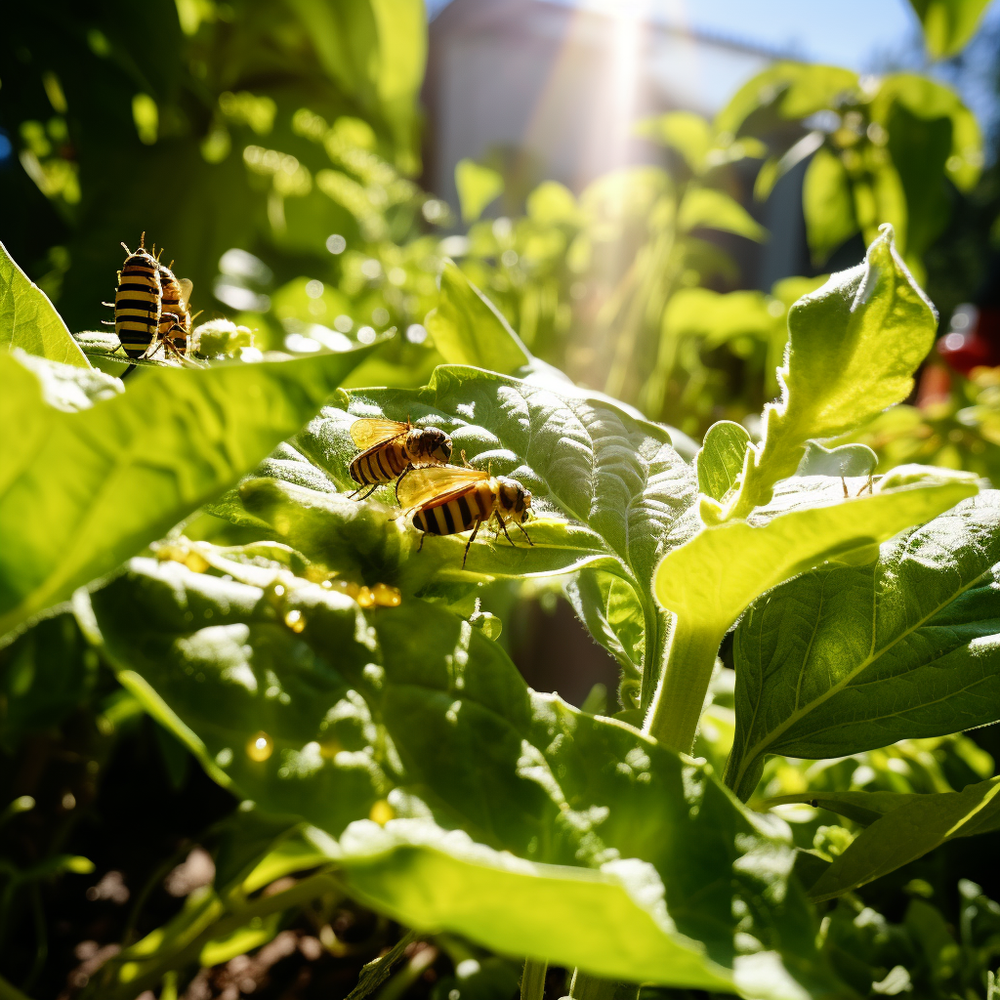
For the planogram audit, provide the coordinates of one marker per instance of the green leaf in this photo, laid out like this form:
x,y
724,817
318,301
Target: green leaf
x,y
720,460
914,827
853,347
477,187
687,132
828,205
948,24
795,90
469,330
931,102
714,577
903,647
608,488
552,203
83,491
709,581
716,318
509,817
28,319
706,207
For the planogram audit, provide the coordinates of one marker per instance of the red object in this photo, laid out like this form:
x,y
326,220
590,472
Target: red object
x,y
974,339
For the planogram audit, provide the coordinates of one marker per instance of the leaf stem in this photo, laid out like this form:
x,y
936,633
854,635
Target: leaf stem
x,y
680,695
533,979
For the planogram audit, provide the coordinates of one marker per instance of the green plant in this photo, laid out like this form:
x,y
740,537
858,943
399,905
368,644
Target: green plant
x,y
181,570
433,784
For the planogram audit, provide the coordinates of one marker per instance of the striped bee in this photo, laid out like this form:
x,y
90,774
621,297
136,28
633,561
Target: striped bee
x,y
137,302
175,316
391,448
446,500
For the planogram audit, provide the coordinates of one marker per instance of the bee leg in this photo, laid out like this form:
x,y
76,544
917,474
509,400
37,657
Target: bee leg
x,y
472,538
351,496
524,532
129,370
843,482
423,535
867,486
503,528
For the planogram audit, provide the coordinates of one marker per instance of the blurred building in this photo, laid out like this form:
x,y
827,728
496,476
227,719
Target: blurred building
x,y
550,89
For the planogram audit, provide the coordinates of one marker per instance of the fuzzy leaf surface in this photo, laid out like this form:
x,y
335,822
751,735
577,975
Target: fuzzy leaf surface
x,y
853,347
606,485
516,819
86,490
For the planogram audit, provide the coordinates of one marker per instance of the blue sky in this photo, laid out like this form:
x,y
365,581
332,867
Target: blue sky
x,y
853,33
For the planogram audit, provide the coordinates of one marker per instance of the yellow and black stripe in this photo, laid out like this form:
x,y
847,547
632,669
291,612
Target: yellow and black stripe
x,y
460,513
175,317
137,303
381,463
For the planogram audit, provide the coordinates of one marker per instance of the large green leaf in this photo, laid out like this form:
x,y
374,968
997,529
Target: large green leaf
x,y
469,330
299,700
711,579
948,24
853,347
605,484
850,658
83,491
29,321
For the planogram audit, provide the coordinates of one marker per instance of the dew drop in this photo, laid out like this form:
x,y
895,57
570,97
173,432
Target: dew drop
x,y
260,747
295,621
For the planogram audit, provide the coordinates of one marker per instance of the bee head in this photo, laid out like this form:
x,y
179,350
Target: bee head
x,y
435,445
522,505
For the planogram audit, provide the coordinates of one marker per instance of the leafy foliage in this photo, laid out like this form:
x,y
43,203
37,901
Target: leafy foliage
x,y
345,676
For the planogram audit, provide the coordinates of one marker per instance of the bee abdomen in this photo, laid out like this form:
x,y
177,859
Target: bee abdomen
x,y
380,465
453,516
137,304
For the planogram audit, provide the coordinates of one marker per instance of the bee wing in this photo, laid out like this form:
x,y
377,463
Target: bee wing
x,y
420,485
187,287
366,433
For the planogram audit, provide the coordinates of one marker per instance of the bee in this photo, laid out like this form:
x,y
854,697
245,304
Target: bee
x,y
446,500
137,302
391,448
175,316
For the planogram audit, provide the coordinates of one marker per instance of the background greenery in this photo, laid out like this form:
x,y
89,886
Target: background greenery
x,y
273,150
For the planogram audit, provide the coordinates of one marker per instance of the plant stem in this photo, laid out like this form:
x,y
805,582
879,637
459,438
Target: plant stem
x,y
533,979
587,987
687,670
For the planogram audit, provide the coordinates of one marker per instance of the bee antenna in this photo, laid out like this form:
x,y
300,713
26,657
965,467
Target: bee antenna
x,y
142,240
129,252
171,264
